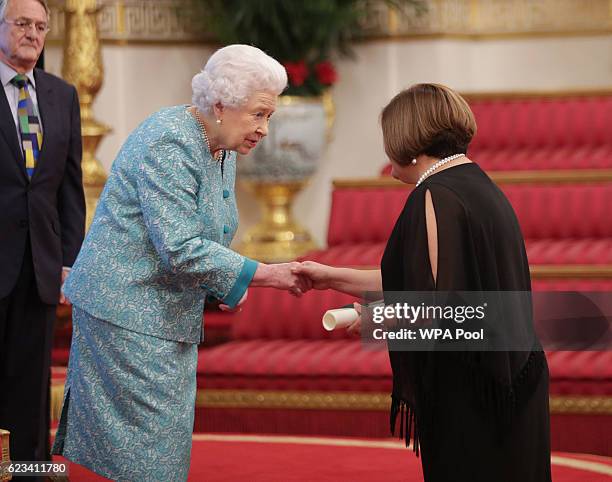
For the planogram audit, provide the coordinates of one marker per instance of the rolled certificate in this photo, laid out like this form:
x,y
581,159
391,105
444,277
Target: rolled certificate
x,y
339,318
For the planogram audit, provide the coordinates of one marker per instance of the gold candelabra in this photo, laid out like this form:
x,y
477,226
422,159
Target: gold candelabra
x,y
82,67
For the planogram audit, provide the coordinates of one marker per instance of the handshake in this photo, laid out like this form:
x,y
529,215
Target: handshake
x,y
298,278
295,277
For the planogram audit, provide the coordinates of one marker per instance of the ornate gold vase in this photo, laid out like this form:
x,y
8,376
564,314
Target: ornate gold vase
x,y
278,169
82,67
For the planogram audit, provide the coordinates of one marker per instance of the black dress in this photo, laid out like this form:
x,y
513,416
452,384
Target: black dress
x,y
477,417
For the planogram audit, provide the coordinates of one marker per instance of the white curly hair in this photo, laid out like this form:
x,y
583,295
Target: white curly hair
x,y
234,73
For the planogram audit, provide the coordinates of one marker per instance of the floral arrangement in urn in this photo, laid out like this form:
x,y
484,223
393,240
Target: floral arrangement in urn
x,y
306,36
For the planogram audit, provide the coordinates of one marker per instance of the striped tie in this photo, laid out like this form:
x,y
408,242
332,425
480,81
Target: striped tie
x,y
29,125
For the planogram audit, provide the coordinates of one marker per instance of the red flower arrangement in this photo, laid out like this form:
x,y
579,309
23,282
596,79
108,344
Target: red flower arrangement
x,y
297,72
312,79
326,73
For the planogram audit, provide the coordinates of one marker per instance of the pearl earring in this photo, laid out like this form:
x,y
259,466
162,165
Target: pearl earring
x,y
218,121
413,162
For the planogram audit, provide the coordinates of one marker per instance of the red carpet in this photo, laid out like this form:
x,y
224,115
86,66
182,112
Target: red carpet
x,y
254,458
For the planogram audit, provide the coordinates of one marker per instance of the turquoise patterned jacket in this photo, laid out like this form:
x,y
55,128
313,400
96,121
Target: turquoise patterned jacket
x,y
158,244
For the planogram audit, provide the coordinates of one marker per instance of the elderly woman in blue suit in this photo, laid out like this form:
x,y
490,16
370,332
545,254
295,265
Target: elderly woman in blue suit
x,y
157,248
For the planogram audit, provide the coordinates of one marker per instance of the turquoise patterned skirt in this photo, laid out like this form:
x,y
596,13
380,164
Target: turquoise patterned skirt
x,y
128,403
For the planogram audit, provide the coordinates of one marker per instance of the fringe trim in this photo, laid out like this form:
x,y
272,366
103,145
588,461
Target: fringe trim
x,y
503,401
408,429
528,379
506,401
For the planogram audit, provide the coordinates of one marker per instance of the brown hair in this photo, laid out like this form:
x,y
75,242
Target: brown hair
x,y
429,119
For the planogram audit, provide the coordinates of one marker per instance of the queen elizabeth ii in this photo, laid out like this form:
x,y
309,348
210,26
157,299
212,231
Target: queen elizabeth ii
x,y
156,250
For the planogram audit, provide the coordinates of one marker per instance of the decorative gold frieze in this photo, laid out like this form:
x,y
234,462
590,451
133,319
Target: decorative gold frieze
x,y
139,21
473,18
217,398
581,405
172,21
292,400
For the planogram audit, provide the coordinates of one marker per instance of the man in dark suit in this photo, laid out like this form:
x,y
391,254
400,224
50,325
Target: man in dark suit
x,y
42,213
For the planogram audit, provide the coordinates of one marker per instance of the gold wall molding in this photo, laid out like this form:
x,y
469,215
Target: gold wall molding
x,y
483,18
375,401
538,94
550,271
163,21
569,405
292,400
561,176
570,271
218,398
137,21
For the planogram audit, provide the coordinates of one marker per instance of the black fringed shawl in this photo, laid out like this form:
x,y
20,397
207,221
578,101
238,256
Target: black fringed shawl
x,y
480,248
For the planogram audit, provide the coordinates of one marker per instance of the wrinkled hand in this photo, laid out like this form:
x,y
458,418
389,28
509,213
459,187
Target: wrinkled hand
x,y
287,279
355,327
282,277
318,274
62,299
237,308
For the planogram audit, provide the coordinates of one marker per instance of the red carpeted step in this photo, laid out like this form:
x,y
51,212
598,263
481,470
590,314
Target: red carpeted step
x,y
217,458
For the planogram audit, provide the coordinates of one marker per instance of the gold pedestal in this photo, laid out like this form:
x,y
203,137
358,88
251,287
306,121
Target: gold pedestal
x,y
94,175
84,69
5,457
277,237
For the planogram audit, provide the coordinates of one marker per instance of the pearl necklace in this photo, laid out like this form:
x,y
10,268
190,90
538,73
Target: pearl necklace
x,y
203,128
438,164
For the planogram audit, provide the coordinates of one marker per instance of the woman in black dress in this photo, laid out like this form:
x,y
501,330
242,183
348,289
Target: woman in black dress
x,y
478,416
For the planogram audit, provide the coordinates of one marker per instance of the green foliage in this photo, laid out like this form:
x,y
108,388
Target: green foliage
x,y
293,31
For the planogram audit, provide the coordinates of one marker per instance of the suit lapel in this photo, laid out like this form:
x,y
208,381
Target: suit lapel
x,y
47,112
9,132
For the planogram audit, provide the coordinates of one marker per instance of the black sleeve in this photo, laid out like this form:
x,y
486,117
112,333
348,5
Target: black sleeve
x,y
457,259
457,266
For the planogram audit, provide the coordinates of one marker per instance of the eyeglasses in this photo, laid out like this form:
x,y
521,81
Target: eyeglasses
x,y
26,24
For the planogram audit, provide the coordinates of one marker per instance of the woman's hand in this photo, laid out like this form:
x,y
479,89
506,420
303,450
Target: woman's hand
x,y
237,308
320,275
62,299
355,327
283,277
354,282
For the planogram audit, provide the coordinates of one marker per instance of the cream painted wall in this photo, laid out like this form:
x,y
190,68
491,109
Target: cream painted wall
x,y
138,80
141,79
